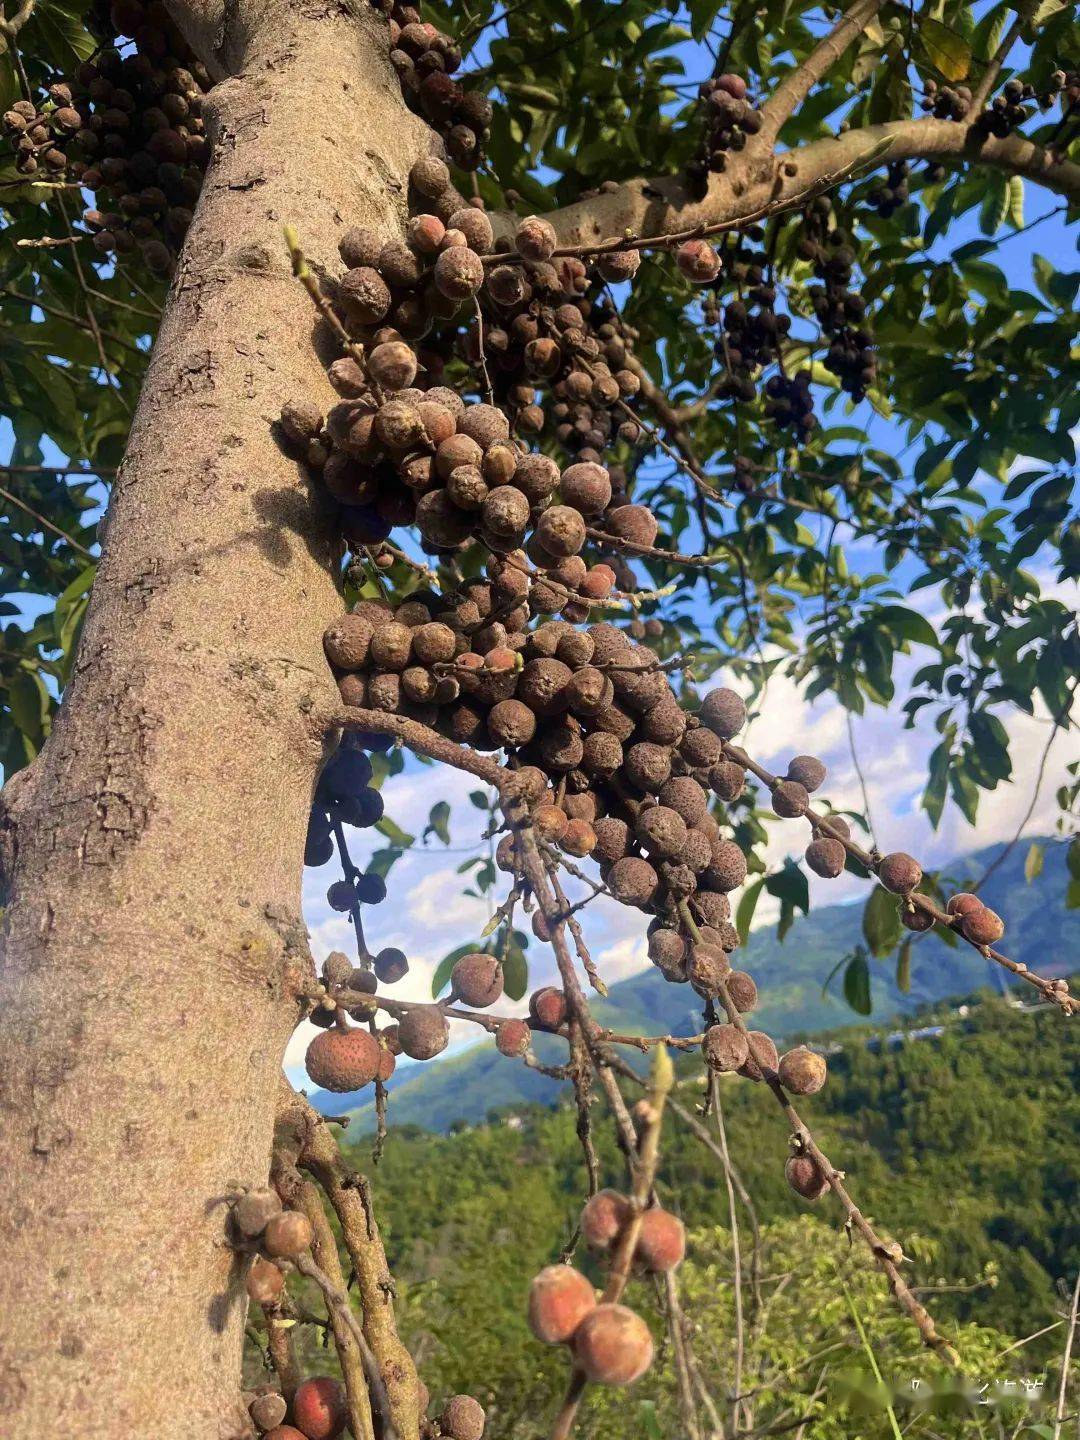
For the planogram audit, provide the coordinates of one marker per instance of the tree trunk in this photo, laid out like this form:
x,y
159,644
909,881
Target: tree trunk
x,y
153,939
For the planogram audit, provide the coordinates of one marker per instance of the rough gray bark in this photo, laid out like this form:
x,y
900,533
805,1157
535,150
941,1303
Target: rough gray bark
x,y
152,855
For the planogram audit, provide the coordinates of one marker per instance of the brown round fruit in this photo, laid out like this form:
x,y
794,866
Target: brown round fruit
x,y
826,857
662,1241
477,980
346,641
319,1408
287,1235
548,1008
602,1217
253,1211
803,1175
808,771
343,1060
742,992
802,1071
613,1346
725,1048
513,1038
462,1418
268,1410
963,904
559,1299
790,800
899,873
633,881
423,1032
760,1046
983,926
723,712
265,1282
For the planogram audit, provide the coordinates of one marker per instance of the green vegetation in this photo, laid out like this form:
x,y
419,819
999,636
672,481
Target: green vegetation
x,y
928,1135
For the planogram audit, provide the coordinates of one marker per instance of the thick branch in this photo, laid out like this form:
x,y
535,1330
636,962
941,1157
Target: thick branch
x,y
663,207
302,1136
795,87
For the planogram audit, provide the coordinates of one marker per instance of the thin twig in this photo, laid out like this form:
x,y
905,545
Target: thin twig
x,y
44,523
736,1253
644,1172
337,1301
886,1255
1059,1413
1056,991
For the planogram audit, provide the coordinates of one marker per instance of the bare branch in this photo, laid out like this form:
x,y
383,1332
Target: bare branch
x,y
663,207
1055,991
993,70
795,87
337,1302
888,1255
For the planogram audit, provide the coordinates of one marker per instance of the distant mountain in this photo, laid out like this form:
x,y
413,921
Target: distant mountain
x,y
790,974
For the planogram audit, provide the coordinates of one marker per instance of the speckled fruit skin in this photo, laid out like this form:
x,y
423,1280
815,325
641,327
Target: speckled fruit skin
x,y
602,1218
559,1299
319,1409
462,1418
804,1177
613,1345
662,1241
343,1060
802,1071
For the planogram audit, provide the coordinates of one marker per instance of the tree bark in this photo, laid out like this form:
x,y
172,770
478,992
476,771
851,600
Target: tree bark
x,y
153,940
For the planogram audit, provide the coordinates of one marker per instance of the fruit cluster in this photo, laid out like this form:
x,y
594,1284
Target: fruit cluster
x,y
1007,111
345,1059
840,310
318,1411
425,60
610,1343
128,127
275,1238
946,102
887,196
731,120
399,449
611,766
344,796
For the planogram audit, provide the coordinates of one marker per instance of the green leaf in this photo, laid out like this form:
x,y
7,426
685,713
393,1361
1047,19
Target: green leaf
x,y
1015,211
906,624
394,833
59,28
515,972
744,914
995,205
947,50
439,821
881,925
903,967
857,984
